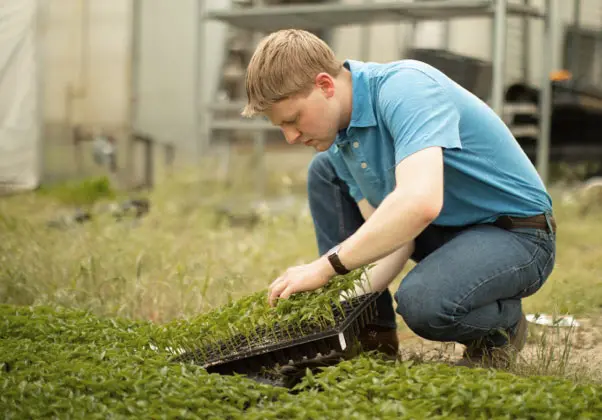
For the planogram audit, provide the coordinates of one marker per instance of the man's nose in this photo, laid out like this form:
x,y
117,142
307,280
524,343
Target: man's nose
x,y
291,134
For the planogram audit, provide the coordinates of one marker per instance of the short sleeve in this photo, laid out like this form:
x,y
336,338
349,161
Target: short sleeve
x,y
344,174
418,113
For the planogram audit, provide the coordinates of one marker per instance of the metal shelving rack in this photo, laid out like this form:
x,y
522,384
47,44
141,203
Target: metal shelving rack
x,y
265,19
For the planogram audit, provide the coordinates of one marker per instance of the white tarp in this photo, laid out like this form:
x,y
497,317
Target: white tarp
x,y
19,105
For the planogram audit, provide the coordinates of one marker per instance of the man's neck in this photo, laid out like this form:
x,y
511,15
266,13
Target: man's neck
x,y
346,98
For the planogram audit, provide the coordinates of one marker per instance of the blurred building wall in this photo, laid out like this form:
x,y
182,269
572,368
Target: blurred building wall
x,y
86,77
109,63
92,74
166,87
164,78
86,61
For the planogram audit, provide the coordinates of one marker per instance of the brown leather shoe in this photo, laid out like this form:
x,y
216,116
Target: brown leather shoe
x,y
496,357
382,339
519,339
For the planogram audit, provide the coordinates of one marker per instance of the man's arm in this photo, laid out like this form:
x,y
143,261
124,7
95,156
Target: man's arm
x,y
422,120
386,269
403,214
390,229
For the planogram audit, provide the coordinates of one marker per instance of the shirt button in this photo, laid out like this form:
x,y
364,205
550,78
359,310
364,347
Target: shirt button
x,y
364,165
356,144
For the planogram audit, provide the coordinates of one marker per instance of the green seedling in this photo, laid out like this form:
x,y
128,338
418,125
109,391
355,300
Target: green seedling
x,y
243,320
57,363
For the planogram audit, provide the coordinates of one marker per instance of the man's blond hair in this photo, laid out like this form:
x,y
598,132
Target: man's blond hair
x,y
285,64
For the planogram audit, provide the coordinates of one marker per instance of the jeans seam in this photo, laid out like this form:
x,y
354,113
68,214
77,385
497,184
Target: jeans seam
x,y
538,233
471,292
545,266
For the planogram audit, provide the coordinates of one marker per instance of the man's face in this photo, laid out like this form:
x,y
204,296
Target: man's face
x,y
311,120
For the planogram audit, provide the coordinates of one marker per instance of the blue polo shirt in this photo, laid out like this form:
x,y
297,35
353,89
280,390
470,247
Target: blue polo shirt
x,y
405,106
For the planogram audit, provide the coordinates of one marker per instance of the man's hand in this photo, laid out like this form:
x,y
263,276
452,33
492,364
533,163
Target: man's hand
x,y
301,278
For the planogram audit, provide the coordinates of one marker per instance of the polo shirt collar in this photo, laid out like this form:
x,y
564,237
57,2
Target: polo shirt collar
x,y
362,114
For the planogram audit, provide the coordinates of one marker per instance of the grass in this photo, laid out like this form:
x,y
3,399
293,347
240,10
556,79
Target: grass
x,y
179,261
184,259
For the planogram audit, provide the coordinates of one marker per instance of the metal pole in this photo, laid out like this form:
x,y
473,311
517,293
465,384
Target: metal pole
x,y
599,44
526,47
597,70
40,16
365,38
446,33
574,66
260,138
545,98
499,55
135,61
410,37
202,121
134,100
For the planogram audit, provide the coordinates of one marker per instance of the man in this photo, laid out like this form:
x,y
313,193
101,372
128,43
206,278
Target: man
x,y
411,165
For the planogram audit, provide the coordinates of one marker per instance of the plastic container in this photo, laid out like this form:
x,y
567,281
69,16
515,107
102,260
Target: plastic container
x,y
271,348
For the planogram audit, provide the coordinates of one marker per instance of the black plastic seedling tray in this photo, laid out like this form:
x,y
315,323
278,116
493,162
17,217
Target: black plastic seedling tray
x,y
275,347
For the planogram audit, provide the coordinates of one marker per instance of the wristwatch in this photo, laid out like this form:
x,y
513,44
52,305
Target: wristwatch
x,y
333,257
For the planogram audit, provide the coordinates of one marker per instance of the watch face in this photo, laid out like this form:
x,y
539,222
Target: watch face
x,y
334,249
333,257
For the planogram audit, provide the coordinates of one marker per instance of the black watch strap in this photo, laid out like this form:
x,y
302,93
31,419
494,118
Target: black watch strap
x,y
335,261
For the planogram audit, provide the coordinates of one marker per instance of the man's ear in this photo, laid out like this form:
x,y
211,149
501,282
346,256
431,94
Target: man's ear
x,y
325,82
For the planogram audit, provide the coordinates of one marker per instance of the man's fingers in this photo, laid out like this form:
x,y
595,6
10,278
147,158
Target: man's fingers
x,y
287,292
276,291
274,283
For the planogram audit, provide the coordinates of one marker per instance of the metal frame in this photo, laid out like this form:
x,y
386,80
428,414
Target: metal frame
x,y
41,12
330,15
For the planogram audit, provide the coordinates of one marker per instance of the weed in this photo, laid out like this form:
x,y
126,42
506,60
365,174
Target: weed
x,y
80,193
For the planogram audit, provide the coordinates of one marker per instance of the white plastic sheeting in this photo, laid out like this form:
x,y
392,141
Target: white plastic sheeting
x,y
19,104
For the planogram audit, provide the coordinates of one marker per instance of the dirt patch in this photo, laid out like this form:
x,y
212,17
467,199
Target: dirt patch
x,y
572,352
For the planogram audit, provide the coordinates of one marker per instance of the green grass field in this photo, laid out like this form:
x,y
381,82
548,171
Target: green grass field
x,y
183,259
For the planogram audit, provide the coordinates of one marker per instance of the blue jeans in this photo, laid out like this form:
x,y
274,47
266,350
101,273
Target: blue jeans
x,y
468,282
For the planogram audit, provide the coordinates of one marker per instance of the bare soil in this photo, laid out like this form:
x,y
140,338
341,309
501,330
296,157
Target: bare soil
x,y
580,347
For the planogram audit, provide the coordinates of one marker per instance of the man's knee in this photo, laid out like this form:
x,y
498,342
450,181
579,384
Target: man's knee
x,y
320,170
426,314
